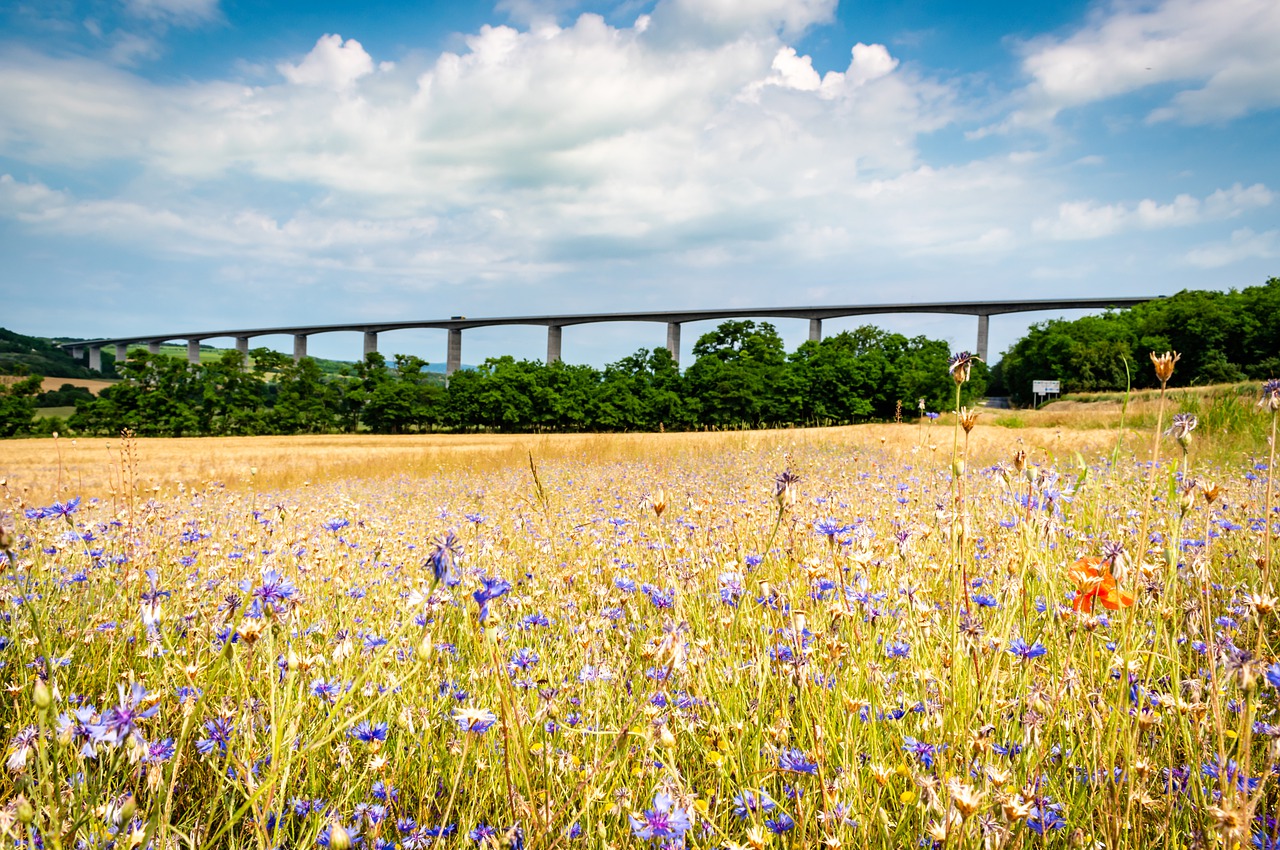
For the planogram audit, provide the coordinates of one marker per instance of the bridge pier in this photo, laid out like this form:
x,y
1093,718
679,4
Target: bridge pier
x,y
122,352
370,343
983,322
77,352
673,341
453,358
95,358
242,346
815,330
153,348
554,335
299,347
193,352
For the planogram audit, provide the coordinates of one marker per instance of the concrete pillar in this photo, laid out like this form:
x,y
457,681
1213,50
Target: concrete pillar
x,y
122,352
242,346
673,341
193,352
95,358
983,320
370,343
815,330
453,359
554,335
153,347
299,347
77,352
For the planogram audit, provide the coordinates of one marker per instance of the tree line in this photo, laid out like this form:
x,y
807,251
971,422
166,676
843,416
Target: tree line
x,y
741,377
1223,337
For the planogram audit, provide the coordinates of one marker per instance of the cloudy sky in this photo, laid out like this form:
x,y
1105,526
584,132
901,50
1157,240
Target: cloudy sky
x,y
175,165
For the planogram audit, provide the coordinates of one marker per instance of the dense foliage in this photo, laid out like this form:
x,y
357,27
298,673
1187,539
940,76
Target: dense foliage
x,y
1222,336
742,377
24,355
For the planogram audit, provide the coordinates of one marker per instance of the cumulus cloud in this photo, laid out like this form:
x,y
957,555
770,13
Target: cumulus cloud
x,y
1219,55
1091,220
332,63
1244,244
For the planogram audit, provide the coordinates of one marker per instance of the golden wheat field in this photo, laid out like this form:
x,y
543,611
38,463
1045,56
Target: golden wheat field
x,y
39,470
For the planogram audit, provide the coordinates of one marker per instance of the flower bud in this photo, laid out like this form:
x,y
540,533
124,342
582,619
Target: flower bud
x,y
666,739
339,838
24,810
128,809
40,695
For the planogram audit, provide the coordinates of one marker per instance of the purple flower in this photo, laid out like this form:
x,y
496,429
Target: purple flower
x,y
747,802
118,724
219,731
1020,648
665,820
795,761
491,589
922,751
368,732
443,559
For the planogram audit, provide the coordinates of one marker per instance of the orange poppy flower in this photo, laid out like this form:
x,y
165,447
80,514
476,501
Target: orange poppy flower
x,y
1093,582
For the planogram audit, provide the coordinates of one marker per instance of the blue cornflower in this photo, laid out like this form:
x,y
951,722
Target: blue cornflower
x,y
159,752
326,691
443,559
118,724
336,524
1273,675
780,823
1020,648
985,600
274,589
665,820
897,649
1044,816
795,761
830,527
492,588
219,730
922,751
524,659
477,720
368,732
747,803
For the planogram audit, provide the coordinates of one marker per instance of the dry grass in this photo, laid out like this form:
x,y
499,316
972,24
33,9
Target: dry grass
x,y
39,471
92,385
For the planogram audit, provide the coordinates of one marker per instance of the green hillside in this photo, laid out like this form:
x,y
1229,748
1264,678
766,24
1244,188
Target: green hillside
x,y
35,356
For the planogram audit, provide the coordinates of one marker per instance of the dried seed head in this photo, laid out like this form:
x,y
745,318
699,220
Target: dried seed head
x,y
968,418
1164,364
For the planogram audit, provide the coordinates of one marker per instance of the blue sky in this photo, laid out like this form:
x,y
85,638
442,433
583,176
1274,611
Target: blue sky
x,y
172,165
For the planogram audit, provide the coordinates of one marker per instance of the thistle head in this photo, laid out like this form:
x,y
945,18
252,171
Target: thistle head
x,y
784,490
1180,430
960,365
1270,395
1164,365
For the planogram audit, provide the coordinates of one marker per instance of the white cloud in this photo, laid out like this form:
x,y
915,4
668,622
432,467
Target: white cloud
x,y
1091,220
1220,54
1244,244
332,63
719,21
174,11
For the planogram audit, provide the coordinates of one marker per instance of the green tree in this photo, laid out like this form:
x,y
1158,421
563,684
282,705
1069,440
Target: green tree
x,y
18,403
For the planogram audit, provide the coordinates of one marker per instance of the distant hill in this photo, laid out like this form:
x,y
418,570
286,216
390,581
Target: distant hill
x,y
36,356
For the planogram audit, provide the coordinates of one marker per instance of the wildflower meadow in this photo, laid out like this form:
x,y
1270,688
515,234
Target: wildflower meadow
x,y
783,643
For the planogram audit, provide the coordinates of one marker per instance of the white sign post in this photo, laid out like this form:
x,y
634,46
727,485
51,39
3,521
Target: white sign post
x,y
1045,388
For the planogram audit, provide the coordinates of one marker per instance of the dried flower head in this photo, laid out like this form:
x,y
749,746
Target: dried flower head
x,y
1270,395
658,501
968,418
960,365
1183,425
1164,364
784,489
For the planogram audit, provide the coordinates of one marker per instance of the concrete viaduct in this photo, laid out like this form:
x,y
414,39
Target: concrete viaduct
x,y
555,325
